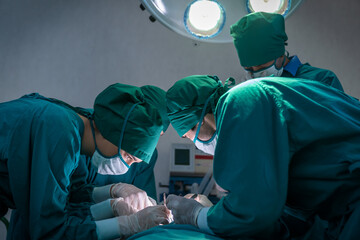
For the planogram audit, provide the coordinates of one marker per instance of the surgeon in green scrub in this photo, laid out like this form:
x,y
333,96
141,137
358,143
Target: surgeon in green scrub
x,y
280,141
260,40
41,143
141,174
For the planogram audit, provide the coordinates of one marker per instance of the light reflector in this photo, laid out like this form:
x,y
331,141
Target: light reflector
x,y
204,18
271,6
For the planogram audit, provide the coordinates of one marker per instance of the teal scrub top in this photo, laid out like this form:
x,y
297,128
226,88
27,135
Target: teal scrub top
x,y
284,141
40,145
140,175
85,178
295,69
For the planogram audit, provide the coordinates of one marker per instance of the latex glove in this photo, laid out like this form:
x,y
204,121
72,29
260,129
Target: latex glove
x,y
121,208
135,197
202,199
143,220
185,211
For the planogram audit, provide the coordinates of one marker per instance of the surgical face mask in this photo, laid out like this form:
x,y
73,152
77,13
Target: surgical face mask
x,y
114,165
109,165
208,146
271,70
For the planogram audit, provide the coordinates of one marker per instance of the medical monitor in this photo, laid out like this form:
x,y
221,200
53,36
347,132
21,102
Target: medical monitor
x,y
182,157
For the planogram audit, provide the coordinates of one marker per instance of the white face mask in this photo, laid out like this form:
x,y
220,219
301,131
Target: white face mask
x,y
208,146
109,166
266,72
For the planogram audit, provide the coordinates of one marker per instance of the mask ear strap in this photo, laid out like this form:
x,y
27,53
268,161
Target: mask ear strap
x,y
93,132
282,65
201,118
123,130
231,80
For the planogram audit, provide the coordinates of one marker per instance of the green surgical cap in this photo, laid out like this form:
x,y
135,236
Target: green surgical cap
x,y
259,38
157,97
143,126
186,100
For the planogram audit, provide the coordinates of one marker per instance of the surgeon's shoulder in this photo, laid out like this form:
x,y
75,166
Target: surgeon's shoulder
x,y
248,89
57,118
241,97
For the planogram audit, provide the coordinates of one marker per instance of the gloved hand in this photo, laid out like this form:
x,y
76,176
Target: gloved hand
x,y
202,199
132,195
185,211
143,220
121,208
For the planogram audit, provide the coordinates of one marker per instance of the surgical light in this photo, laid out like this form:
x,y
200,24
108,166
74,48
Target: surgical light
x,y
210,20
270,6
204,18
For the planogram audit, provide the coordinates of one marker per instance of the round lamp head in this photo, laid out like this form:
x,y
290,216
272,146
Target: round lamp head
x,y
270,6
204,18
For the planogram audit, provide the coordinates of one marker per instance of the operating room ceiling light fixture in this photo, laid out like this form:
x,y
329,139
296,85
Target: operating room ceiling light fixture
x,y
271,6
204,18
210,20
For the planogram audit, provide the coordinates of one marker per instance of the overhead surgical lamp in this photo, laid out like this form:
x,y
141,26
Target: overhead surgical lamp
x,y
210,20
271,6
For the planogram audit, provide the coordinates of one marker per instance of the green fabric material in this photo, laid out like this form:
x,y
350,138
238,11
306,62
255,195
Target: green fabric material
x,y
306,71
259,38
143,127
157,97
40,145
186,99
287,141
173,231
140,175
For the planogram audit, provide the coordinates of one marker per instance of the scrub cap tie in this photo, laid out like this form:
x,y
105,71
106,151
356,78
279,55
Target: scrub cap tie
x,y
127,120
157,97
259,38
122,132
186,100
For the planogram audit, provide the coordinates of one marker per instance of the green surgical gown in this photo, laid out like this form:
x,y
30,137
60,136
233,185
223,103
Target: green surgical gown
x,y
83,178
306,71
286,141
140,175
40,145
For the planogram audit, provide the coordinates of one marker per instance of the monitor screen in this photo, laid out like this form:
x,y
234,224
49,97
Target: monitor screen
x,y
182,157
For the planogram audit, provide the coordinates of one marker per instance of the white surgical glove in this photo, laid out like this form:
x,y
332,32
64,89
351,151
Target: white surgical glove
x,y
185,211
135,197
142,220
121,208
202,199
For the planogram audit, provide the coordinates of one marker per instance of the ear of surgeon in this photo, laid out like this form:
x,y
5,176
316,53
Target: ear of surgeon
x,y
108,150
106,156
206,131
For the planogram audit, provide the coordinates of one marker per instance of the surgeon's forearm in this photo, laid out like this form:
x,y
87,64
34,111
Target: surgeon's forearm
x,y
202,222
107,229
101,193
102,210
